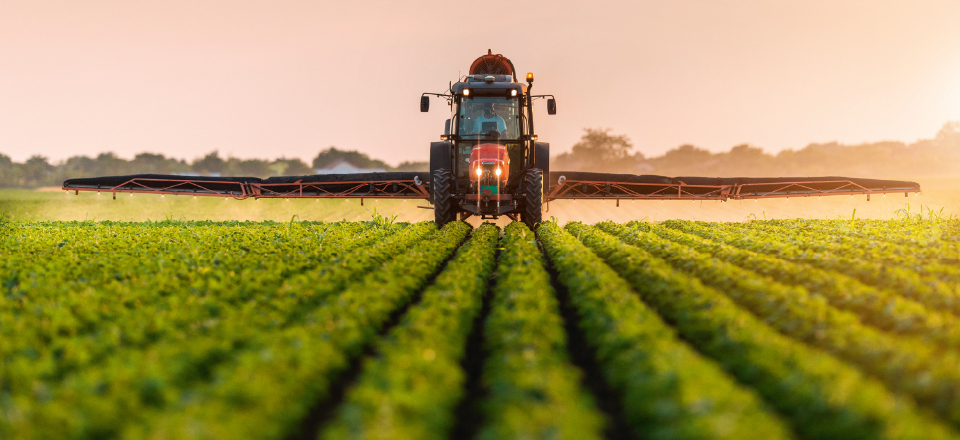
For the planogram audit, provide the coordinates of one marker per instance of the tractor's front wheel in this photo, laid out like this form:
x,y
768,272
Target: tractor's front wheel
x,y
532,210
444,205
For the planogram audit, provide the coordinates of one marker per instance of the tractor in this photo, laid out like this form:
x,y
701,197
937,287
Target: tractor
x,y
488,162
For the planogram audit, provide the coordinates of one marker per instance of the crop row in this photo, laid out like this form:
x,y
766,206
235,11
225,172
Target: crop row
x,y
201,330
898,279
932,239
667,389
533,388
410,388
923,256
108,268
170,294
881,308
266,393
929,374
103,398
213,314
823,397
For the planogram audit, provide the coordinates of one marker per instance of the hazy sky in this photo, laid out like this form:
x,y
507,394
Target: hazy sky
x,y
278,78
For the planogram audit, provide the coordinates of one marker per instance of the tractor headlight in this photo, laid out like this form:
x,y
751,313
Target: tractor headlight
x,y
498,172
479,172
466,92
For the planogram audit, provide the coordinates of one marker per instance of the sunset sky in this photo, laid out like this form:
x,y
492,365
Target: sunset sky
x,y
282,78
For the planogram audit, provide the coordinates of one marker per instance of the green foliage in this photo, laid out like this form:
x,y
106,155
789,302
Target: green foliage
x,y
795,243
906,215
38,171
381,220
927,244
267,392
880,308
926,157
225,289
598,150
928,373
360,160
409,390
823,397
411,166
668,391
290,167
201,330
534,390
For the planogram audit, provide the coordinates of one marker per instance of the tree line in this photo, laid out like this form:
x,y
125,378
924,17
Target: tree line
x,y
598,150
37,171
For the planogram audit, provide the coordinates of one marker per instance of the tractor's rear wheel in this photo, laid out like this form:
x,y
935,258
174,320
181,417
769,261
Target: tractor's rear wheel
x,y
531,213
444,205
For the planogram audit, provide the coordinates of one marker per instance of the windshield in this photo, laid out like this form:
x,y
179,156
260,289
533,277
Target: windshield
x,y
485,117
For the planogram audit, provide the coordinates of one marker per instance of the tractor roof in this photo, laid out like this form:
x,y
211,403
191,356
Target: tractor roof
x,y
482,85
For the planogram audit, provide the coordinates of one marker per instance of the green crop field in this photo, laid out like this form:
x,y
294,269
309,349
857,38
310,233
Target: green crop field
x,y
383,329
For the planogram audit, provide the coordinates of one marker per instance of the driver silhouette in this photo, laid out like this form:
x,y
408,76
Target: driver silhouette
x,y
489,116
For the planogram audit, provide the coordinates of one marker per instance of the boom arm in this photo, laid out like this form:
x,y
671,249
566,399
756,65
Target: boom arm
x,y
584,185
562,185
402,185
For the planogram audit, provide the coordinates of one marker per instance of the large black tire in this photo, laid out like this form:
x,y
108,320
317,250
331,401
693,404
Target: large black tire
x,y
440,158
531,212
444,205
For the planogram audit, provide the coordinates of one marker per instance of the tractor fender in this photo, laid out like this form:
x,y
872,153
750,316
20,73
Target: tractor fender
x,y
541,160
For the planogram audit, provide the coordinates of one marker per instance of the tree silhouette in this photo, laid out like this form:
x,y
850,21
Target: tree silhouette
x,y
599,150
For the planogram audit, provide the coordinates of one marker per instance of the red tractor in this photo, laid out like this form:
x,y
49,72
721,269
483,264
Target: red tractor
x,y
488,163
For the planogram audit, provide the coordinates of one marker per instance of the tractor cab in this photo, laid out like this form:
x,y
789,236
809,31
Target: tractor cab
x,y
485,123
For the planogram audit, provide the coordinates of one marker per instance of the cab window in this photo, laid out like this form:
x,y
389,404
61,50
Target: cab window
x,y
480,116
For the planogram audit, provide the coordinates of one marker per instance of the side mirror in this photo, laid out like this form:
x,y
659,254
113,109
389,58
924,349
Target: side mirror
x,y
551,106
446,126
424,103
